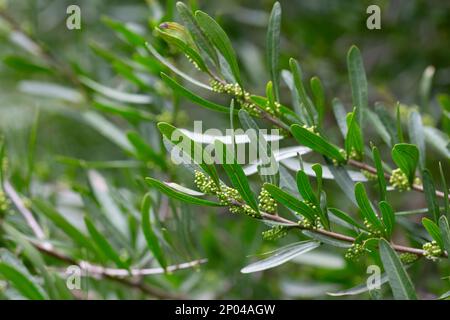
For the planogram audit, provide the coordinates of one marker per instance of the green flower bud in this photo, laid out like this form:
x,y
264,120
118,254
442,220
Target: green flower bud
x,y
432,250
408,258
275,233
266,202
399,180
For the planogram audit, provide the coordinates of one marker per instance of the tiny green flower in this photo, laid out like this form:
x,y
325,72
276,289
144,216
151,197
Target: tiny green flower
x,y
399,180
432,250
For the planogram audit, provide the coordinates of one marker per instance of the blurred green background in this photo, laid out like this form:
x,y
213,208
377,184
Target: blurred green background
x,y
414,34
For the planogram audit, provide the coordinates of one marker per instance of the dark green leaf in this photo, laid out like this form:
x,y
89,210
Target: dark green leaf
x,y
354,140
21,282
273,47
327,240
417,135
433,231
358,82
290,202
366,208
192,96
345,217
445,233
380,173
298,84
236,174
406,157
401,285
388,217
430,194
316,142
319,98
220,40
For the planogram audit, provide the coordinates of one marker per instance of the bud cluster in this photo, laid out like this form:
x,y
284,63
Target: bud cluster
x,y
266,202
354,154
432,250
242,96
399,180
354,252
373,231
272,111
204,183
274,233
343,153
369,175
408,258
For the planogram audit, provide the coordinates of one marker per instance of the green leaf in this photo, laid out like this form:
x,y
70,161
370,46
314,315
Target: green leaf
x,y
175,194
194,150
379,126
388,217
103,245
445,233
192,96
149,234
319,175
63,224
343,180
433,231
430,194
305,189
316,142
406,157
220,40
181,41
236,174
417,135
388,122
346,217
438,140
206,47
281,255
401,139
340,115
25,65
358,82
291,202
380,173
135,39
354,140
365,206
401,285
319,98
298,85
20,281
425,87
444,186
268,167
273,47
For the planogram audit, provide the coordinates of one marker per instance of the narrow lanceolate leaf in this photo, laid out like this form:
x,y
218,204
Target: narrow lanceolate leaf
x,y
417,135
319,98
401,285
192,96
425,87
193,149
300,89
290,202
268,167
20,281
445,233
343,180
445,188
316,142
434,231
388,216
305,189
358,82
175,194
380,173
63,224
354,140
340,115
236,174
430,194
400,136
206,47
365,206
273,47
406,157
153,242
281,255
345,217
102,244
220,40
